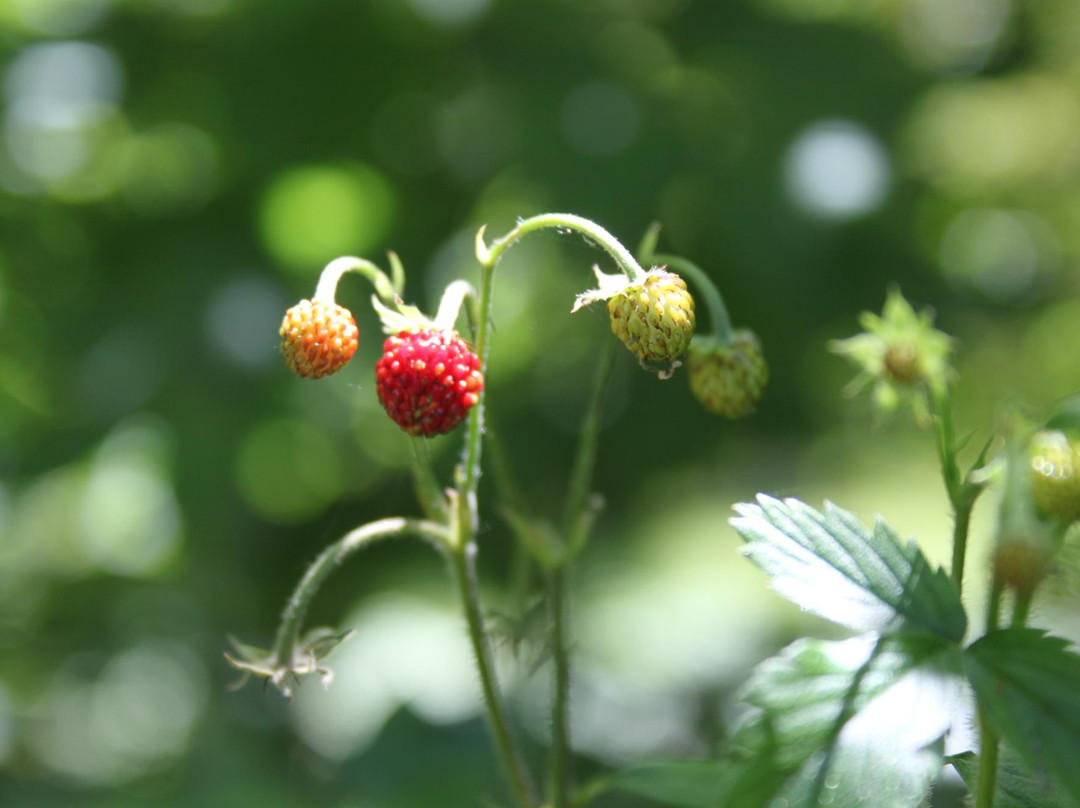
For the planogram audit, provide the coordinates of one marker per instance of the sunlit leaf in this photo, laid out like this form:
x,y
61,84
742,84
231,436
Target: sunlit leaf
x,y
850,723
831,564
1029,683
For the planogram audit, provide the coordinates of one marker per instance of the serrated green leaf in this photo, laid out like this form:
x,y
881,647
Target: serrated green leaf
x,y
831,564
1015,787
856,722
1029,683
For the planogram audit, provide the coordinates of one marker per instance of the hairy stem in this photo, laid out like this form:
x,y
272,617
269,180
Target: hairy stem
x,y
330,276
962,494
329,559
463,565
626,262
575,528
559,770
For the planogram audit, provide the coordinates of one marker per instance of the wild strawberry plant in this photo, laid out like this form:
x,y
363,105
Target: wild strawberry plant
x,y
855,722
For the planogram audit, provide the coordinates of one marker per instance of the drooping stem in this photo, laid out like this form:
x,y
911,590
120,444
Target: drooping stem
x,y
463,564
330,276
565,222
329,559
703,285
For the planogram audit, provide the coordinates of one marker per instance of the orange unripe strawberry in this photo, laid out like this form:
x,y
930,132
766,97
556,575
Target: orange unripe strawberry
x,y
318,338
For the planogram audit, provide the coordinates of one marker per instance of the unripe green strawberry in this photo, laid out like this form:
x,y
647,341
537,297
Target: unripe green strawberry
x,y
1020,564
655,318
428,380
318,338
1055,475
728,379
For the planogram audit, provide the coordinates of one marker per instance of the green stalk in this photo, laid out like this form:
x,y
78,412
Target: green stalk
x,y
961,494
462,560
575,514
989,743
575,528
567,222
333,271
559,767
466,516
331,558
428,490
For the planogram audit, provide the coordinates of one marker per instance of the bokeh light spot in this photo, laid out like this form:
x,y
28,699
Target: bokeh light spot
x,y
313,214
137,716
449,13
60,17
169,169
130,518
288,470
119,372
960,35
242,321
60,95
600,119
1001,253
836,170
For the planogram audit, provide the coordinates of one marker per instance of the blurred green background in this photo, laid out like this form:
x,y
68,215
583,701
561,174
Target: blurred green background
x,y
175,173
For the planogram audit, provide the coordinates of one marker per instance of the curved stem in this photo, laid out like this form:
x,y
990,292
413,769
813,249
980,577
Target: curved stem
x,y
330,276
329,560
463,564
718,313
568,222
450,304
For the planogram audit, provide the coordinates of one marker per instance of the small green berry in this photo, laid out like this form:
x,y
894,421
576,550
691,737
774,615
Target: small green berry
x,y
728,379
1020,564
655,318
1055,475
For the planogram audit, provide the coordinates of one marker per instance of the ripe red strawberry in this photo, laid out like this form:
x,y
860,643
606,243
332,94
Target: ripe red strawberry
x,y
318,338
428,380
